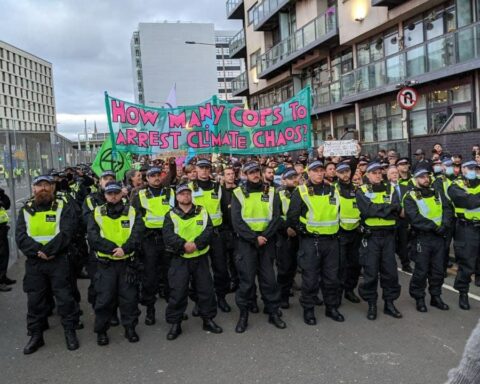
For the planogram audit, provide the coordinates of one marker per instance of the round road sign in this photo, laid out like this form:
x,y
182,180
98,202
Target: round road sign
x,y
407,98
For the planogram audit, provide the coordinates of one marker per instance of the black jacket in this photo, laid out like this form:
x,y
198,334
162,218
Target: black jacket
x,y
55,247
174,243
99,244
240,226
226,204
387,211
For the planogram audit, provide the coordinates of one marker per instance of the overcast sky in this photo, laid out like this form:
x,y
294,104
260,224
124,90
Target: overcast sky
x,y
88,43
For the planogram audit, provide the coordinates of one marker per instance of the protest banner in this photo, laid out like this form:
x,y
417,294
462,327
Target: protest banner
x,y
340,148
214,126
109,160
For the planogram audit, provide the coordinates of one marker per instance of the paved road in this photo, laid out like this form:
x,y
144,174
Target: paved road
x,y
420,348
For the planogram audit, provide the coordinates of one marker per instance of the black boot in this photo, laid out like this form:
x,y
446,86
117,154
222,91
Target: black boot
x,y
131,335
274,319
175,331
150,315
463,301
334,314
35,342
284,303
254,308
195,311
71,339
242,322
436,301
79,325
350,296
309,316
114,321
8,281
102,338
210,326
421,307
372,310
223,305
390,310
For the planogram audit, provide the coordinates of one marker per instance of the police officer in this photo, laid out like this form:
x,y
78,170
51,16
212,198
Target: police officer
x,y
379,209
465,195
187,232
4,248
209,194
429,216
153,202
287,240
255,220
349,234
45,226
314,213
114,233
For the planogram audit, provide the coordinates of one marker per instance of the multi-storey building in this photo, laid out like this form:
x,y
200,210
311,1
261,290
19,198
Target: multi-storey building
x,y
356,54
27,101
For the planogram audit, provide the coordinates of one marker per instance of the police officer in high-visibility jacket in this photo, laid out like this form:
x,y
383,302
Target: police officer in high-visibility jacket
x,y
349,235
5,282
114,232
187,232
379,207
45,226
255,218
287,240
314,213
209,194
429,215
465,195
153,202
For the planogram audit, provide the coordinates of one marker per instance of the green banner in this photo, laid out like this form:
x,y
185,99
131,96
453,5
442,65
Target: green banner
x,y
214,126
108,159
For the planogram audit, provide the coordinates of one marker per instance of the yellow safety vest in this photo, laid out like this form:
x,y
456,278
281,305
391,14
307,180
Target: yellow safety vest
x,y
384,197
468,214
322,217
117,230
155,207
285,200
429,207
349,212
43,226
210,200
190,229
4,216
257,207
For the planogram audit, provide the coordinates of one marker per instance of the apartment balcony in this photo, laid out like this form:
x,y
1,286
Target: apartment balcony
x,y
238,48
240,85
320,31
265,14
387,3
235,10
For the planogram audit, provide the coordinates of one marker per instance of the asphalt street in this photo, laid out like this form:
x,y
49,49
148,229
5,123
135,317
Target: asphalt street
x,y
420,348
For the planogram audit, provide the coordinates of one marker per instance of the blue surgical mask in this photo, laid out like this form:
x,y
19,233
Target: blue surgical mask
x,y
437,168
471,174
449,171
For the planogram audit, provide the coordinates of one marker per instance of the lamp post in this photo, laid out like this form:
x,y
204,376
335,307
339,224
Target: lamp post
x,y
225,90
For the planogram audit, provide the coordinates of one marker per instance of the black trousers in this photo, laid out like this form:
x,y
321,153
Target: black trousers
x,y
4,250
377,256
179,275
229,248
91,270
156,263
428,266
219,262
349,269
467,252
448,241
111,287
41,278
319,259
401,242
252,261
287,249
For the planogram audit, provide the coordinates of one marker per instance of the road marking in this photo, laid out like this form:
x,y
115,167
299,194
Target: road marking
x,y
447,287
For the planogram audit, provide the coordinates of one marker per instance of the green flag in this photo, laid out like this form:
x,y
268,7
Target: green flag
x,y
108,160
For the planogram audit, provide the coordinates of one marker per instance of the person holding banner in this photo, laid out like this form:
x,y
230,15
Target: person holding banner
x,y
209,194
314,214
255,218
153,203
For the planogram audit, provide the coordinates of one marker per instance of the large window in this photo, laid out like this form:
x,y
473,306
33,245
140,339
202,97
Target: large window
x,y
381,122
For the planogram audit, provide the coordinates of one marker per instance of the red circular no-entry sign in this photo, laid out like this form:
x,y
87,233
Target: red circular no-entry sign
x,y
407,98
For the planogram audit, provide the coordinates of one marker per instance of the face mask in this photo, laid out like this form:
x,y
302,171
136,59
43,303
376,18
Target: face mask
x,y
449,171
437,169
471,175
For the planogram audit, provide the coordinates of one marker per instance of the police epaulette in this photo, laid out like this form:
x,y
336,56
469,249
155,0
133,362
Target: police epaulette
x,y
29,207
311,192
103,210
126,208
418,194
195,186
198,209
244,190
148,193
369,188
288,194
266,190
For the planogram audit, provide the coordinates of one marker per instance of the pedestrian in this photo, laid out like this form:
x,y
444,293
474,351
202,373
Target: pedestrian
x,y
5,281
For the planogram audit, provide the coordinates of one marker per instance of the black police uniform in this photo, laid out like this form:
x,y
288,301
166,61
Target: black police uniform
x,y
4,248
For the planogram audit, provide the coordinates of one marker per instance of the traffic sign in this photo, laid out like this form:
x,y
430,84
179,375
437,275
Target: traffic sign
x,y
407,98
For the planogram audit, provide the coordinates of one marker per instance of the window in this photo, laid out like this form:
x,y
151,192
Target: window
x,y
254,57
381,122
250,14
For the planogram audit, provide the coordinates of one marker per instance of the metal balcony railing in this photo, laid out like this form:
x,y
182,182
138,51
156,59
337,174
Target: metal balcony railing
x,y
265,10
239,84
237,43
232,5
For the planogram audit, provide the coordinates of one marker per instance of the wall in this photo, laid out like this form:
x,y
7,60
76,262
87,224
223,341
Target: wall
x,y
457,142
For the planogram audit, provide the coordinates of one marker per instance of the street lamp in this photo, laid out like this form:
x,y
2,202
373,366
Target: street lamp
x,y
223,63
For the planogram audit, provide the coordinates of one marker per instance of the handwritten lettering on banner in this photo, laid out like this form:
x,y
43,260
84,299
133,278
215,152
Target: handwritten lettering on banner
x,y
340,148
211,127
